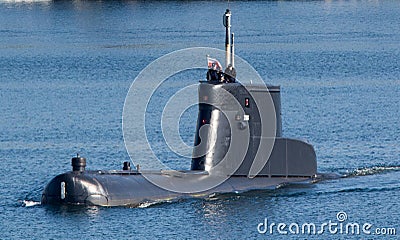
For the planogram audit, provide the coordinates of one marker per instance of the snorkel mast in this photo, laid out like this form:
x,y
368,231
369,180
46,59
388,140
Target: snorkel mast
x,y
229,47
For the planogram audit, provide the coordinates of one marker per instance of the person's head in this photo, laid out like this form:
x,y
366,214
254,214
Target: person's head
x,y
230,66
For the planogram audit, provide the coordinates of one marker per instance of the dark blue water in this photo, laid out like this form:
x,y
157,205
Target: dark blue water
x,y
65,68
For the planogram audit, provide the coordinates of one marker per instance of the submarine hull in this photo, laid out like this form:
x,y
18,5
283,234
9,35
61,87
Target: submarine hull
x,y
131,188
287,161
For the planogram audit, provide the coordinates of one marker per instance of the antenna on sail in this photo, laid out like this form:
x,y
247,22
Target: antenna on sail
x,y
232,50
229,38
227,24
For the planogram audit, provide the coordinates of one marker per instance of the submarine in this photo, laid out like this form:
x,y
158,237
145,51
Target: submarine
x,y
238,147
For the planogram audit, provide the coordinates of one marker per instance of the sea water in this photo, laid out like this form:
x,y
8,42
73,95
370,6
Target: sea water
x,y
66,67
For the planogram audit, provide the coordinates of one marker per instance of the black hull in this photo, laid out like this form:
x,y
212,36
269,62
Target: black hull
x,y
130,188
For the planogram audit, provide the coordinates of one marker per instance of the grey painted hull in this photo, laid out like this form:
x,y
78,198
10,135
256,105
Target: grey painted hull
x,y
130,188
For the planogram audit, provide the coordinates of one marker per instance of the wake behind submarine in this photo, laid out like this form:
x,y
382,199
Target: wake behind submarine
x,y
285,161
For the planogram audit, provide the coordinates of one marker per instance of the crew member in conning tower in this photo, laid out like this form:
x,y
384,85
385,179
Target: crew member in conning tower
x,y
213,74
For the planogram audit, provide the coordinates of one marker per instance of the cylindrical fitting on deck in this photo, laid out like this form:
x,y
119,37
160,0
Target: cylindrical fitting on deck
x,y
127,166
78,164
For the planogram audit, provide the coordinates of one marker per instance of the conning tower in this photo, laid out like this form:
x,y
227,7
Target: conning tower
x,y
289,157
